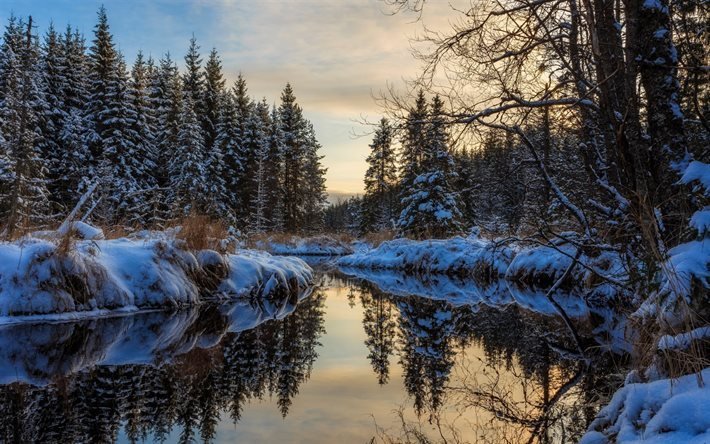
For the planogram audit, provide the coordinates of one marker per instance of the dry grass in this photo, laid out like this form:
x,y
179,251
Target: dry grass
x,y
202,233
375,239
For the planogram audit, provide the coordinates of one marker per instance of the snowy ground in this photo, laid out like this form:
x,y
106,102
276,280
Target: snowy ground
x,y
663,411
457,256
98,276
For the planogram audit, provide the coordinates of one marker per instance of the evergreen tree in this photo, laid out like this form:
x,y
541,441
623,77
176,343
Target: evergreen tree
x,y
187,170
259,135
212,98
431,207
166,102
54,68
193,82
103,72
292,123
143,127
72,163
380,181
313,184
273,172
125,164
413,143
25,195
227,145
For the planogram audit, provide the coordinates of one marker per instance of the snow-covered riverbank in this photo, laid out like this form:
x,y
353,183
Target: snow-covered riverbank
x,y
92,277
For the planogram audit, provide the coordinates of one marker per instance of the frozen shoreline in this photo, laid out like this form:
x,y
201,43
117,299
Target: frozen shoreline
x,y
96,278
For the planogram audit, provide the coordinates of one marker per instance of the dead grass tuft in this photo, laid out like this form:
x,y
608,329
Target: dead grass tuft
x,y
203,233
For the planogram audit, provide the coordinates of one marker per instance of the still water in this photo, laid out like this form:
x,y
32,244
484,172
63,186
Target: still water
x,y
346,362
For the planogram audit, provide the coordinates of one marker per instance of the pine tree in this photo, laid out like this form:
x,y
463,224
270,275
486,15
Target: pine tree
x,y
413,143
244,186
103,61
380,181
313,184
187,170
292,123
212,98
227,144
261,122
124,166
54,68
431,207
166,102
273,172
23,103
72,164
193,82
143,127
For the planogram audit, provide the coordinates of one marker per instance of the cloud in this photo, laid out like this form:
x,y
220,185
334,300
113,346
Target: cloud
x,y
334,52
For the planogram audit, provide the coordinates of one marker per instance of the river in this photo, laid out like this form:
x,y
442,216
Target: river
x,y
349,361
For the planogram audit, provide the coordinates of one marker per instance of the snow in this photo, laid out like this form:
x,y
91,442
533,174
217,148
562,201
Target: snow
x,y
687,263
700,220
683,341
96,276
545,264
309,246
457,256
698,171
663,411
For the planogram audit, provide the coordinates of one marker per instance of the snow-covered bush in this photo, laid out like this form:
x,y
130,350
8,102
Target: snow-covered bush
x,y
659,411
471,257
40,277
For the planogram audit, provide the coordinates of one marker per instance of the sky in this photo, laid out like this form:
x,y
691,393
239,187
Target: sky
x,y
335,53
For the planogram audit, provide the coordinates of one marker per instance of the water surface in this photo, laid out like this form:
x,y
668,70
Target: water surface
x,y
349,362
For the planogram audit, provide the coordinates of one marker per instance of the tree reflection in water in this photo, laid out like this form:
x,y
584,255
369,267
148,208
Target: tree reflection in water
x,y
499,374
507,374
185,391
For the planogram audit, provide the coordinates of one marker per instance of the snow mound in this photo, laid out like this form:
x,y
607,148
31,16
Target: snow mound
x,y
39,278
687,264
668,411
543,265
473,257
307,246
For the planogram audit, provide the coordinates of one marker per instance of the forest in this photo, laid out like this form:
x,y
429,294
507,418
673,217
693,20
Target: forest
x,y
546,169
156,144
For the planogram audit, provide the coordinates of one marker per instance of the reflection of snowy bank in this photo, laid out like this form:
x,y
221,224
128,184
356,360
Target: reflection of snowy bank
x,y
305,246
36,353
459,291
94,276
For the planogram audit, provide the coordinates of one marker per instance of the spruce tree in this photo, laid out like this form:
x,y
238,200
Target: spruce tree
x,y
103,72
413,143
72,164
227,144
431,207
53,121
293,129
188,186
166,102
25,195
273,172
212,98
259,135
124,166
380,181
